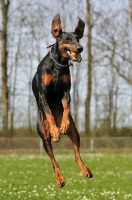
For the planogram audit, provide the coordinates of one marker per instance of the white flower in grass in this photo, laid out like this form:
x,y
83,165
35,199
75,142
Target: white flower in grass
x,y
84,198
10,193
52,194
128,196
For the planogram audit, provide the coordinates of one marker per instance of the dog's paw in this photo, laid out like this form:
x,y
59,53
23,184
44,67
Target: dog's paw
x,y
60,182
56,139
64,126
87,172
55,133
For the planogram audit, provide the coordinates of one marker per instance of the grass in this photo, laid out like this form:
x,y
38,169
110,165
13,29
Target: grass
x,y
30,176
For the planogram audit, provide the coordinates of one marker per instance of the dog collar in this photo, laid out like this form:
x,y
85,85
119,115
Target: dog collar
x,y
60,65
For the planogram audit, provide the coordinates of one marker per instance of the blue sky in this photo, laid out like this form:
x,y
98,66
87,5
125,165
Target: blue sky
x,y
69,11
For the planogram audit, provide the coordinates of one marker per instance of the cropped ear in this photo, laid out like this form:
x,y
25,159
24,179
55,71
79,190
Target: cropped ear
x,y
80,28
56,26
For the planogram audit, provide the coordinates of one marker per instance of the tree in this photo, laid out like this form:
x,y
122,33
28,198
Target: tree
x,y
4,57
130,6
12,107
89,72
113,57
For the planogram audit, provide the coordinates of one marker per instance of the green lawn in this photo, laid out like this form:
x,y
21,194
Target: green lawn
x,y
30,176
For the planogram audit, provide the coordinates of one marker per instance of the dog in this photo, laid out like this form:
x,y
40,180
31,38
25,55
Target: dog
x,y
51,88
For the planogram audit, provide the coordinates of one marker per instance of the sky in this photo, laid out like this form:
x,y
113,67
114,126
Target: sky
x,y
69,9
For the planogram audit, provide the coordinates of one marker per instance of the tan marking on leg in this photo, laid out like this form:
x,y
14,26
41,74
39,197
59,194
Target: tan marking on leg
x,y
65,118
54,131
45,128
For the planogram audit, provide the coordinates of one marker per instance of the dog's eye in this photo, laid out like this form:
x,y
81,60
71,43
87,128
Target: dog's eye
x,y
68,39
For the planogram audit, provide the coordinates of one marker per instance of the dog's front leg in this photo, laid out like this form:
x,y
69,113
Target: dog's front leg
x,y
48,148
54,131
66,113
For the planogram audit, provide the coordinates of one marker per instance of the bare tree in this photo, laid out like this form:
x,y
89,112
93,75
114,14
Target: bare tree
x,y
13,93
130,6
89,72
4,56
115,112
75,72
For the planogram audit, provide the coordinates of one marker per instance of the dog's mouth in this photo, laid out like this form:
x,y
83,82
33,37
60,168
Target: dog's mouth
x,y
75,56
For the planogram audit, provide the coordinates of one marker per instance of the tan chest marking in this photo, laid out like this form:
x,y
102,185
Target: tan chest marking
x,y
66,79
47,78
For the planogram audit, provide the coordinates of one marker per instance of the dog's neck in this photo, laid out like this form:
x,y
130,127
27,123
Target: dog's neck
x,y
55,55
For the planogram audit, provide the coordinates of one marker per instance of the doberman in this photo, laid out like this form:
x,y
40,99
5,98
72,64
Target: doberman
x,y
51,87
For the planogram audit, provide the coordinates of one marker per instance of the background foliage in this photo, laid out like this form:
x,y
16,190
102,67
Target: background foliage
x,y
28,35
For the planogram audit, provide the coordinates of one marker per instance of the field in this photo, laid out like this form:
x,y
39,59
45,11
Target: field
x,y
30,176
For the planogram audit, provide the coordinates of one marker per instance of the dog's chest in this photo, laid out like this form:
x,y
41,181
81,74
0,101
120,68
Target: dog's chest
x,y
57,80
61,81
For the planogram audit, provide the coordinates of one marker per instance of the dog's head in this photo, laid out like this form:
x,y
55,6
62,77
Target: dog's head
x,y
68,43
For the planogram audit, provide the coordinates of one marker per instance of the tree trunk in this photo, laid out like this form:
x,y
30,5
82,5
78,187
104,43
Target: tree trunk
x,y
115,113
130,6
76,97
110,107
5,7
14,83
30,88
96,107
89,73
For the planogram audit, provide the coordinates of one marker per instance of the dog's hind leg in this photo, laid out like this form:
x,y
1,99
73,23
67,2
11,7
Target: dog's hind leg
x,y
43,130
75,138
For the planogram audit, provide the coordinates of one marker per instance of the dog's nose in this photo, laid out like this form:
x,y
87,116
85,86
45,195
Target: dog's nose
x,y
79,48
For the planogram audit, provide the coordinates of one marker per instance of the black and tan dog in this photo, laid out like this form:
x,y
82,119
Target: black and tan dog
x,y
51,86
